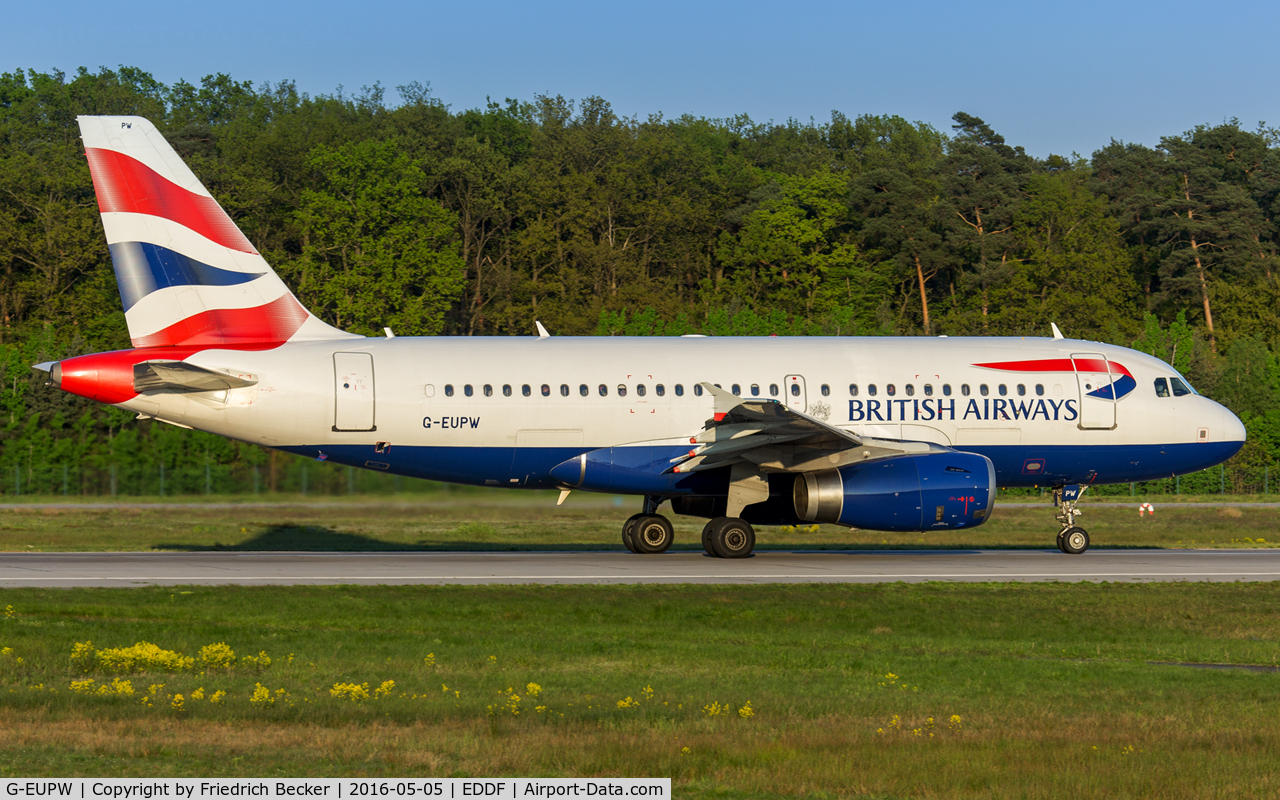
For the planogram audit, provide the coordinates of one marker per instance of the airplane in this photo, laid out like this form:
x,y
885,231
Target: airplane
x,y
879,433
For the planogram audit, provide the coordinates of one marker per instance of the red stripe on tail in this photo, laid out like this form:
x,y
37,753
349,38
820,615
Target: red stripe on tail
x,y
126,184
268,325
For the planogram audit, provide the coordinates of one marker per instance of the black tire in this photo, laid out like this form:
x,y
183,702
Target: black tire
x,y
1075,541
732,537
627,528
652,533
1061,546
706,538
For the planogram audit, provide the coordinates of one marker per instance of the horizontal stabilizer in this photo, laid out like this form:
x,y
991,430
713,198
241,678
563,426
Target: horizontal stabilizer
x,y
179,376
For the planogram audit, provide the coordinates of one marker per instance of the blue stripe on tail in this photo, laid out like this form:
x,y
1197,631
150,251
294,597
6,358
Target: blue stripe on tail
x,y
142,268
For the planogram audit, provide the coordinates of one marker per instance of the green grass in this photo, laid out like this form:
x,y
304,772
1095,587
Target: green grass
x,y
1060,690
532,521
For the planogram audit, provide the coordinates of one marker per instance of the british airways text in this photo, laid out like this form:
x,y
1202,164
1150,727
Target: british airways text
x,y
916,409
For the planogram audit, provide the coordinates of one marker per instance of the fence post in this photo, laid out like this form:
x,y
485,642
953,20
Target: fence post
x,y
351,480
304,479
208,479
1131,485
113,480
1222,479
1177,485
162,479
1266,480
255,478
64,480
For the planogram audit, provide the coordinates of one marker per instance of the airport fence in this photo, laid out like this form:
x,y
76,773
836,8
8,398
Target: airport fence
x,y
293,475
290,475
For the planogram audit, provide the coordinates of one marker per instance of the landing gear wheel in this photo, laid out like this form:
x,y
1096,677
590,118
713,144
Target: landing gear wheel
x,y
1061,536
732,537
652,533
706,538
628,528
1075,541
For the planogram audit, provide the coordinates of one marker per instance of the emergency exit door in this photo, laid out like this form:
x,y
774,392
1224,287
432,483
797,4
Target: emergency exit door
x,y
353,406
797,398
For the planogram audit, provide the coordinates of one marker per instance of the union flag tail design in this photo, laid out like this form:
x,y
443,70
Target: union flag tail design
x,y
188,277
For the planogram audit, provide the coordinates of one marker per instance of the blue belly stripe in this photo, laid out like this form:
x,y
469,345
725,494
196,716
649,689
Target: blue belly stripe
x,y
530,467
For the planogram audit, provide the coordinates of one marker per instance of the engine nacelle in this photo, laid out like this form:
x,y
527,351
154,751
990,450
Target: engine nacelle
x,y
931,491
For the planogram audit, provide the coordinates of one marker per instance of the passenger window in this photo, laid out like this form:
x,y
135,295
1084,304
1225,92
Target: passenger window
x,y
964,389
604,390
546,390
890,389
1039,390
584,390
871,390
526,391
697,389
911,390
467,390
640,390
737,390
660,390
946,389
506,390
1004,390
982,390
826,390
1162,387
795,390
488,390
853,390
1179,388
448,390
1022,390
622,390
773,390
564,390
928,390
755,390
679,390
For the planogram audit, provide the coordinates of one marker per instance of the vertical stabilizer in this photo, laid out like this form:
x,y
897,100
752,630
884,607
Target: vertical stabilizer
x,y
187,275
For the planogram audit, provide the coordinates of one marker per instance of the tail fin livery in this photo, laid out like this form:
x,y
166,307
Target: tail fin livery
x,y
188,277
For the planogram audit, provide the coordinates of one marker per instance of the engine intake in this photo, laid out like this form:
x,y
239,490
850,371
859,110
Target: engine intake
x,y
931,491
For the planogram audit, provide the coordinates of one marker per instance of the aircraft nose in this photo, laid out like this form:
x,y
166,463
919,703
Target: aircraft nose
x,y
1232,428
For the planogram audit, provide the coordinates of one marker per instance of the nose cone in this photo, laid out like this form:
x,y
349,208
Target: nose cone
x,y
1232,429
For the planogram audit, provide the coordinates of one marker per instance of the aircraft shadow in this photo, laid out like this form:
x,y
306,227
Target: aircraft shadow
x,y
318,538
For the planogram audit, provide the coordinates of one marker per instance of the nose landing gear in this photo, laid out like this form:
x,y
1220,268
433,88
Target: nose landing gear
x,y
1072,540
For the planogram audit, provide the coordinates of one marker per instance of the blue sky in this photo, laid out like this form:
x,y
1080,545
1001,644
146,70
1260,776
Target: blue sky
x,y
1054,78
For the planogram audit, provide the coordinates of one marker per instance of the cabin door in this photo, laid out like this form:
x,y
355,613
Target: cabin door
x,y
353,392
1096,381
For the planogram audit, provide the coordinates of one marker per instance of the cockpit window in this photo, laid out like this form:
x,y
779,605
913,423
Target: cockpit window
x,y
1162,387
1179,388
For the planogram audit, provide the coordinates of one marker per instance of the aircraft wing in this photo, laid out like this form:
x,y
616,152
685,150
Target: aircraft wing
x,y
776,438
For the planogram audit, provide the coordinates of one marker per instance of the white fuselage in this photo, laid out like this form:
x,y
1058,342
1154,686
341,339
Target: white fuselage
x,y
475,410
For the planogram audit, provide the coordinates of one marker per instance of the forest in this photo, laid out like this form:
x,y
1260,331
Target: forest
x,y
396,210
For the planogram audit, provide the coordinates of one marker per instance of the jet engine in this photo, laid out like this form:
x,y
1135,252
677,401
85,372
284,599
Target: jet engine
x,y
929,491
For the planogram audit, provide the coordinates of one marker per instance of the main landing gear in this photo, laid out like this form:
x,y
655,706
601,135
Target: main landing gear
x,y
650,532
1071,539
728,537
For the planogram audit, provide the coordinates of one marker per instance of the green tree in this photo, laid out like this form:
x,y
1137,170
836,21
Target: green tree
x,y
376,252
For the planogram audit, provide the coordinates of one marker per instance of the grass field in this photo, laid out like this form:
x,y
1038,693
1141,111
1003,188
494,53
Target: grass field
x,y
884,691
927,690
531,521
